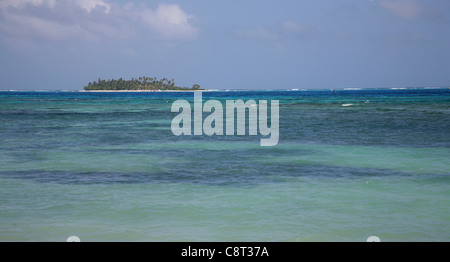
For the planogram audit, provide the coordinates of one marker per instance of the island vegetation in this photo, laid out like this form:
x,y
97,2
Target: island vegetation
x,y
139,84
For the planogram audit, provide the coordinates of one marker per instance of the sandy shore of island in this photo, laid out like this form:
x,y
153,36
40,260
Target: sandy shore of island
x,y
151,91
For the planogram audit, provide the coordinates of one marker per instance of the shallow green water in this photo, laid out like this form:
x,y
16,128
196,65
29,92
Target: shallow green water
x,y
106,167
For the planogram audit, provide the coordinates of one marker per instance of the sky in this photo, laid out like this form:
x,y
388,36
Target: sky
x,y
247,44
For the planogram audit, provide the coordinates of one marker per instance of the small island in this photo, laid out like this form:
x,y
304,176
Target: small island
x,y
138,84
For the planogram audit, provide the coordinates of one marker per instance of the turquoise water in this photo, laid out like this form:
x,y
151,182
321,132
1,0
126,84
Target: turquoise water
x,y
106,167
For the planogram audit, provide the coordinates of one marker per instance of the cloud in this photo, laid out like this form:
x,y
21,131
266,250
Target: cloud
x,y
55,21
88,5
412,9
170,22
279,34
403,8
90,21
292,26
260,33
29,26
297,30
21,3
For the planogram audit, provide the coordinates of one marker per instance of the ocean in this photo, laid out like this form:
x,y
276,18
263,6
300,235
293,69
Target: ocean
x,y
105,166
